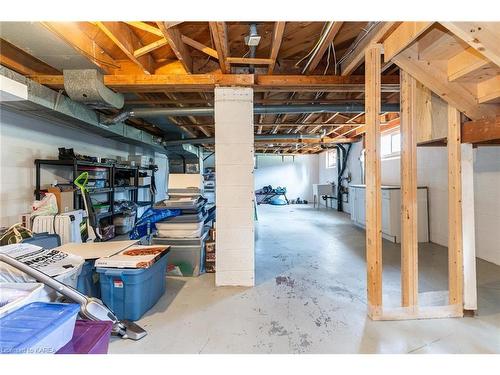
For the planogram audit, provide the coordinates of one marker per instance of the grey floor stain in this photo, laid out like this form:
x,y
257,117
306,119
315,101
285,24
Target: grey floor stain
x,y
277,329
285,280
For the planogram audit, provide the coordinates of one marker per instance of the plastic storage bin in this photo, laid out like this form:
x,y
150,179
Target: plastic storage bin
x,y
16,295
190,259
88,338
88,280
129,293
38,328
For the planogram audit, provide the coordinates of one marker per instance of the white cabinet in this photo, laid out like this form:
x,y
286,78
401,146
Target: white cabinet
x,y
391,211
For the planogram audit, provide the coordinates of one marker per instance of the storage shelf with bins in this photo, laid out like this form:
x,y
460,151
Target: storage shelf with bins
x,y
110,190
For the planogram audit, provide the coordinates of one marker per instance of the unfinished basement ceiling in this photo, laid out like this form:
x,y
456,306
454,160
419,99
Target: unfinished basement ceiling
x,y
41,43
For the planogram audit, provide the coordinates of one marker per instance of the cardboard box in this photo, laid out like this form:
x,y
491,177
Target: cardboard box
x,y
64,199
210,246
142,181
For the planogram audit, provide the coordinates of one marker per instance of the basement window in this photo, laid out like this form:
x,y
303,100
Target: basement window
x,y
331,158
390,144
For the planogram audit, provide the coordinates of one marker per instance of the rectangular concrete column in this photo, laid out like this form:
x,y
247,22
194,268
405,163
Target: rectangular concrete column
x,y
234,162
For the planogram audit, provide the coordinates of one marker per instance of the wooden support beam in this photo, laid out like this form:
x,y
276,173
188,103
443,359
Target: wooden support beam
x,y
128,42
145,27
468,227
489,91
482,36
402,37
261,83
199,46
73,35
481,131
357,50
161,83
173,35
373,186
150,47
219,35
433,74
249,61
322,47
455,255
22,62
409,227
279,29
465,63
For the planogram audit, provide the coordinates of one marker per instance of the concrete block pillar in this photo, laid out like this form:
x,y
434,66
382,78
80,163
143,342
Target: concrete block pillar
x,y
234,163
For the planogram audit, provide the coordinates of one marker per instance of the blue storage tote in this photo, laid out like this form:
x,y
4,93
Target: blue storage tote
x,y
88,280
130,292
38,328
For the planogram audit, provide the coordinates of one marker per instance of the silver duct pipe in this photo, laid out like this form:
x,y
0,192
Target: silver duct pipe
x,y
258,137
253,48
258,110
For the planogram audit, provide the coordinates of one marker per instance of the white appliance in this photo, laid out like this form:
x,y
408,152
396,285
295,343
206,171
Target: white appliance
x,y
391,211
66,225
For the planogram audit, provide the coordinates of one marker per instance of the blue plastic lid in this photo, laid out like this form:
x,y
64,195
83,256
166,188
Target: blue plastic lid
x,y
23,328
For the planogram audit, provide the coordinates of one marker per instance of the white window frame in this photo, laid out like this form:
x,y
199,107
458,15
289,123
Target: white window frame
x,y
329,165
392,154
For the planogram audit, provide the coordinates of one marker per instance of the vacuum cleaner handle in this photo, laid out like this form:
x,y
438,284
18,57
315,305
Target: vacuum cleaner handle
x,y
90,308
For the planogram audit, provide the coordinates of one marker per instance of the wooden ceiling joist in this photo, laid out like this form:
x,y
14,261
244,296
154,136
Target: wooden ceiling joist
x,y
128,42
482,36
433,74
173,35
249,61
279,29
356,53
200,46
465,64
150,47
481,131
76,38
402,37
489,91
219,36
195,82
322,47
21,62
145,27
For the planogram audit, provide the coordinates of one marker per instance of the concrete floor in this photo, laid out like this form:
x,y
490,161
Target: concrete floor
x,y
310,298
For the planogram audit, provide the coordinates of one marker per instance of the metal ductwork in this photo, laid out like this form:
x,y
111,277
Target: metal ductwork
x,y
259,137
51,105
87,86
252,41
258,110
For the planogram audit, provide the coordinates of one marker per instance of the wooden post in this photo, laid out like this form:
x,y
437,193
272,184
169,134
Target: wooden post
x,y
468,228
455,254
373,188
409,228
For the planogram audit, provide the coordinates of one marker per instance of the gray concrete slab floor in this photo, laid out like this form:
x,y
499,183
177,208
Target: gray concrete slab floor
x,y
310,297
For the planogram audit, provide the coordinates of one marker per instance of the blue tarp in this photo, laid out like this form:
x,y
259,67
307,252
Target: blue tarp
x,y
146,224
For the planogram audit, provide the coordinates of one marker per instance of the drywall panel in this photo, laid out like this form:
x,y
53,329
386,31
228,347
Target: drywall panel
x,y
296,173
24,138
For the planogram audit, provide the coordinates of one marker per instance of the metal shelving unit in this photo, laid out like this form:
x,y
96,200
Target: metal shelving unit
x,y
110,190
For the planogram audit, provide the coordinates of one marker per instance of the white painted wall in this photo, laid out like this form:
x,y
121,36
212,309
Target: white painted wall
x,y
432,164
24,138
296,173
325,175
